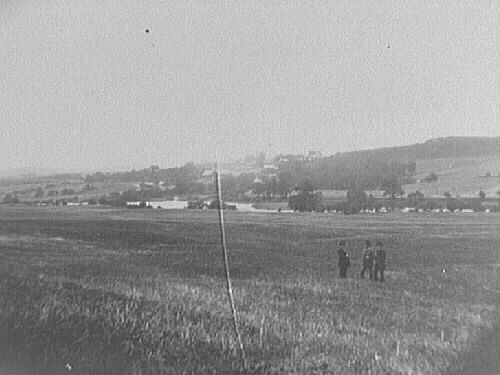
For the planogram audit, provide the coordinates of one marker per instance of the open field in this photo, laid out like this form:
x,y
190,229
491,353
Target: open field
x,y
101,291
460,176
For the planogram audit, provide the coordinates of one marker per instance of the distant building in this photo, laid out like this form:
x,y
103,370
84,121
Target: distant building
x,y
377,194
313,155
333,194
148,185
257,180
207,177
169,205
270,167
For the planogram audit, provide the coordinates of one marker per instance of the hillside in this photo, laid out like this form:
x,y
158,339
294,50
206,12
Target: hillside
x,y
464,166
464,176
437,148
461,163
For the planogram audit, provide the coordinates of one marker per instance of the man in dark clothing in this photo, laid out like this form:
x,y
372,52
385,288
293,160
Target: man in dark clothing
x,y
368,257
344,261
379,262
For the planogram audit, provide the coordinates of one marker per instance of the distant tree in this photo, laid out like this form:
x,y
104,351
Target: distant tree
x,y
357,195
430,204
431,178
306,185
39,192
482,195
96,177
357,200
229,184
285,184
261,159
67,191
447,194
411,168
130,195
392,187
454,204
487,174
259,188
416,199
245,182
197,188
10,198
475,205
271,187
419,195
305,201
304,197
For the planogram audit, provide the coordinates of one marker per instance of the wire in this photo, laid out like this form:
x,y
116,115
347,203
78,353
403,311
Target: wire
x,y
226,266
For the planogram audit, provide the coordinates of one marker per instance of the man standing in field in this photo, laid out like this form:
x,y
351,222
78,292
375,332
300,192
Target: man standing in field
x,y
368,257
344,261
379,262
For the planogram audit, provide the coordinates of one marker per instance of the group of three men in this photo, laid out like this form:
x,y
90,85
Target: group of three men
x,y
373,261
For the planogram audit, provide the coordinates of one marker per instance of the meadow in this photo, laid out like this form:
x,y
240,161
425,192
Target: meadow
x,y
460,176
116,291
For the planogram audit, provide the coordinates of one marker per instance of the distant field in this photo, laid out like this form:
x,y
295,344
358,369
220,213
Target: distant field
x,y
26,190
101,291
274,206
462,176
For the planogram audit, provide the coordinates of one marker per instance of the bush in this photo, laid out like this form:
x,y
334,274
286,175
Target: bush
x,y
430,178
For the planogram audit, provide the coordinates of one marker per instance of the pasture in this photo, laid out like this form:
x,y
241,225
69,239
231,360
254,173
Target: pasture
x,y
460,176
115,291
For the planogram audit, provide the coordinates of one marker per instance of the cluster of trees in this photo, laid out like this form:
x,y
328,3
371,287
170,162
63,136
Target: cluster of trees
x,y
344,174
306,199
323,173
263,187
430,178
11,198
183,175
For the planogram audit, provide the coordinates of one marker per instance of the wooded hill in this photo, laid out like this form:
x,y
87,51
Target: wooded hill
x,y
378,168
437,148
463,166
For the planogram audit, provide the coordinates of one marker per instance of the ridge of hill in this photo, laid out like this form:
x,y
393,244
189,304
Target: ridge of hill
x,y
436,148
464,166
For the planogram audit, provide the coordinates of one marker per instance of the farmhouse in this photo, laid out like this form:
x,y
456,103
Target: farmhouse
x,y
207,177
377,194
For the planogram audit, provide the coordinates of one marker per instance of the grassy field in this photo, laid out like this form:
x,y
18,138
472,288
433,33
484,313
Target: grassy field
x,y
459,176
101,291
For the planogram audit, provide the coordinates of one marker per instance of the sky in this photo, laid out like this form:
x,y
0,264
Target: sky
x,y
84,86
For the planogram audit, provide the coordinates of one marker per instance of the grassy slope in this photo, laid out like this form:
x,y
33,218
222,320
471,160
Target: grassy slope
x,y
121,292
100,189
462,176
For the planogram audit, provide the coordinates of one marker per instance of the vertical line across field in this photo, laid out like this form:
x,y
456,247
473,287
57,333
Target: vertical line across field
x,y
226,266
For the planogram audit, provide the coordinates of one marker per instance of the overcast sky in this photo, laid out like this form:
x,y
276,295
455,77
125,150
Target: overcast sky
x,y
83,86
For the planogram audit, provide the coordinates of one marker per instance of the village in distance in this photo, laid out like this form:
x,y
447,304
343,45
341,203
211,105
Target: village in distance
x,y
453,174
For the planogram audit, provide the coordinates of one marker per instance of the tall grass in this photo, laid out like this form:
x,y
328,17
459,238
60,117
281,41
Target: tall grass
x,y
111,295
